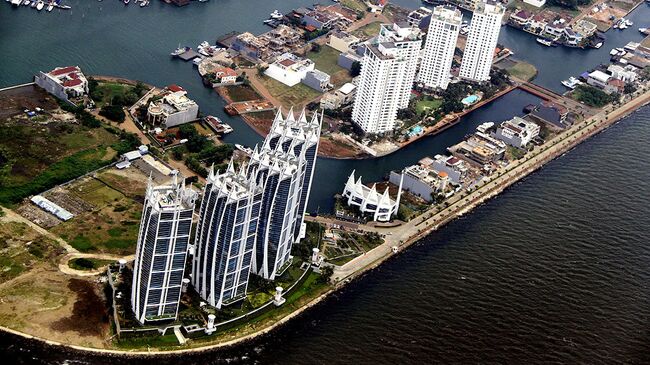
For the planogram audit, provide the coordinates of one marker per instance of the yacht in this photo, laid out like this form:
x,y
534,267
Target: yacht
x,y
126,2
26,2
34,3
197,61
276,15
180,50
598,45
244,149
15,2
546,42
571,83
50,7
40,5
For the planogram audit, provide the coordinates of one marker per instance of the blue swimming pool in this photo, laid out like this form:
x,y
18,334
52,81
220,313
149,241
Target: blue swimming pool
x,y
470,100
415,131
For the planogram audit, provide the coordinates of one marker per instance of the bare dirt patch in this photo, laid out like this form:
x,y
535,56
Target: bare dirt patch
x,y
89,316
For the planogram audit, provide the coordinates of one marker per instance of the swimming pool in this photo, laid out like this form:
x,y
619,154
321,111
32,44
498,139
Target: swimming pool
x,y
415,131
470,100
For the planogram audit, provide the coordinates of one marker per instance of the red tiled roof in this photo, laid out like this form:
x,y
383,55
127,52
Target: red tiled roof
x,y
310,28
174,88
287,62
226,71
64,70
72,83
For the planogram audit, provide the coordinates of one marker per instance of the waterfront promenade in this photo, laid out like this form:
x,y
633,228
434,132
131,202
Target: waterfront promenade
x,y
413,230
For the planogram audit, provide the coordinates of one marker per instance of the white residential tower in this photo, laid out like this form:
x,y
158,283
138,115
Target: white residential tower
x,y
439,47
482,41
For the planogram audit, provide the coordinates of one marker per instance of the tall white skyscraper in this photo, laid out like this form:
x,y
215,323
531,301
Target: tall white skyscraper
x,y
225,237
161,251
439,47
482,41
284,167
387,73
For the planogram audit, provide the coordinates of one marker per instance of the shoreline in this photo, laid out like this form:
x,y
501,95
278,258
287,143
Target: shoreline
x,y
563,143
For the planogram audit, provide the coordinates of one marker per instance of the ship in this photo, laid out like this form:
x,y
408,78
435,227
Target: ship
x,y
276,15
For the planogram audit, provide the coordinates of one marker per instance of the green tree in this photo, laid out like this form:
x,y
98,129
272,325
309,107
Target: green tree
x,y
113,112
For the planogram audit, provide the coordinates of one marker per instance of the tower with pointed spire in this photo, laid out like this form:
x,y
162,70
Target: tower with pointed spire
x,y
284,167
225,236
161,251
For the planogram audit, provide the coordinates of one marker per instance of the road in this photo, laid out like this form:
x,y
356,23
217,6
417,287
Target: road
x,y
461,203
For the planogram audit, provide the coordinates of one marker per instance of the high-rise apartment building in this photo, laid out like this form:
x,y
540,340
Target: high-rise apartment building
x,y
225,237
482,41
388,70
284,167
439,47
161,251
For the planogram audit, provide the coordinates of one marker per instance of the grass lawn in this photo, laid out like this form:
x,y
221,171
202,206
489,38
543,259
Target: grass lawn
x,y
427,106
242,93
88,264
523,70
326,59
354,4
112,225
109,89
368,30
22,248
295,96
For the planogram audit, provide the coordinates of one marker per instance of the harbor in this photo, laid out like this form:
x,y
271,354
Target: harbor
x,y
506,106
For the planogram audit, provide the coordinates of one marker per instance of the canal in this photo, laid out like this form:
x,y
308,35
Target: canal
x,y
108,38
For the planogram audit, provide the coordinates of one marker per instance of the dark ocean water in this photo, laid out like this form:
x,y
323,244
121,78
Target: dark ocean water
x,y
554,270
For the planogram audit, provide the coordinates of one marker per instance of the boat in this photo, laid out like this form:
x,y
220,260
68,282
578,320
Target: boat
x,y
546,42
244,149
50,7
34,3
197,61
222,128
613,52
15,2
598,45
26,2
40,5
144,3
644,31
126,2
276,15
628,22
180,50
571,83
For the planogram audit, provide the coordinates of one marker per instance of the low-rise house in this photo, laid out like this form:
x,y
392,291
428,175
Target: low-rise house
x,y
522,18
538,23
623,73
517,132
585,28
347,59
334,100
342,41
572,38
63,82
249,46
614,86
598,78
421,181
289,69
454,167
550,113
480,148
317,80
418,17
173,109
226,75
556,28
319,19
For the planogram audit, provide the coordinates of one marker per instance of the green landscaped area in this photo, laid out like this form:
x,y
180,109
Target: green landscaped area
x,y
22,248
115,93
368,30
426,106
326,60
241,93
357,5
111,223
294,96
86,264
523,71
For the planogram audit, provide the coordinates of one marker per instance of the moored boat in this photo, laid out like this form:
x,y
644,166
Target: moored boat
x,y
40,5
571,83
276,15
546,42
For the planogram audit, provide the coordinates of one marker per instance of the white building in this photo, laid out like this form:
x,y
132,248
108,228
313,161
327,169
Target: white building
x,y
482,41
439,47
517,132
63,82
284,167
369,201
289,69
536,3
162,247
387,74
417,16
334,100
342,41
175,108
225,237
626,74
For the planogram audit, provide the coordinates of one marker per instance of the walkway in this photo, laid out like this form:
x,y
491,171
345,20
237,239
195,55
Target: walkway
x,y
65,268
11,216
461,203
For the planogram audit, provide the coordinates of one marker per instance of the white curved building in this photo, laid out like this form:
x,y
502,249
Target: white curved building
x,y
370,201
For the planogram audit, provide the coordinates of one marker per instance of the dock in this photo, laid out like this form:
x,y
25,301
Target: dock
x,y
188,55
